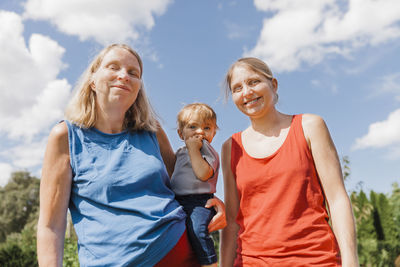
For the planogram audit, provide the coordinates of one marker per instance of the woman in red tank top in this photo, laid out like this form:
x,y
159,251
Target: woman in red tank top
x,y
279,173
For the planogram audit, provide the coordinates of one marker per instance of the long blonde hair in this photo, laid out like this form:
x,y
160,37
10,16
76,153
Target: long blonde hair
x,y
81,110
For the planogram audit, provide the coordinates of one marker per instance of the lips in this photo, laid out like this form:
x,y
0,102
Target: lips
x,y
121,86
253,101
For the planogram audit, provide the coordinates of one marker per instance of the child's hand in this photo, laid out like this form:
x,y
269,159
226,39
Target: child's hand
x,y
194,142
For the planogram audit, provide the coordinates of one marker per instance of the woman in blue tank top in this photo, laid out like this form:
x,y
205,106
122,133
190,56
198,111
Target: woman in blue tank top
x,y
109,163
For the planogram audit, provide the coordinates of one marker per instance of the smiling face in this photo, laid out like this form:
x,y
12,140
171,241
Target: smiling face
x,y
253,93
118,78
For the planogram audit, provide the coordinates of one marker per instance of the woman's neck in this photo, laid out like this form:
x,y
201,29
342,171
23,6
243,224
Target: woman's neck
x,y
270,124
110,120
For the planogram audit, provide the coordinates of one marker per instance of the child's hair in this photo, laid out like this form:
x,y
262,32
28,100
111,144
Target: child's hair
x,y
204,111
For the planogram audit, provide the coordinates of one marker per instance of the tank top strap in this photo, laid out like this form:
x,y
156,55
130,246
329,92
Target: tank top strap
x,y
236,138
236,150
297,123
296,130
298,135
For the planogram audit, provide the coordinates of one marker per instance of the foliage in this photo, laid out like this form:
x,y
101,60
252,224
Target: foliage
x,y
19,203
215,236
70,246
346,167
378,227
20,249
70,253
19,212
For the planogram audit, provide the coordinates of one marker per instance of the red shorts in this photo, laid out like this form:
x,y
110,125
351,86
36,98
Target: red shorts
x,y
180,255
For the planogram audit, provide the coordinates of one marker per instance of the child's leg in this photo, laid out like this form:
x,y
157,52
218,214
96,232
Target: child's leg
x,y
197,227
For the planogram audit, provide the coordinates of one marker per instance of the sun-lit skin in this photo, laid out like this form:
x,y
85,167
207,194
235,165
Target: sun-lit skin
x,y
118,79
195,130
253,93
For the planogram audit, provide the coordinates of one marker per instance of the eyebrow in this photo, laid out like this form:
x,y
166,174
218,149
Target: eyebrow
x,y
252,77
117,62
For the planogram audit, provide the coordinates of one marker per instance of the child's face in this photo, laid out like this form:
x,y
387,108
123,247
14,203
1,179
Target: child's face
x,y
197,127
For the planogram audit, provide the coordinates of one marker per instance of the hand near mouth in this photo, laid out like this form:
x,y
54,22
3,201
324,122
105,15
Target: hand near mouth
x,y
194,142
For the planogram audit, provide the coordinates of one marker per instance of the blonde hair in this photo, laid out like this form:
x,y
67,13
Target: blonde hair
x,y
204,111
81,110
253,64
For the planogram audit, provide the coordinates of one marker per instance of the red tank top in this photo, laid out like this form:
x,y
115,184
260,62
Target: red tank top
x,y
282,216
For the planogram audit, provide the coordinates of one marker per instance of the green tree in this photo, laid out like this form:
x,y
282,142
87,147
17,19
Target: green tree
x,y
19,212
19,203
346,167
378,228
20,249
394,201
378,223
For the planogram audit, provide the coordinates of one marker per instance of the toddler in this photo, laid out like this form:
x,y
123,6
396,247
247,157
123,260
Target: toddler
x,y
195,176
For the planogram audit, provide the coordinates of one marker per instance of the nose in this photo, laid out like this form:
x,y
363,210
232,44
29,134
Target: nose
x,y
123,75
247,90
199,130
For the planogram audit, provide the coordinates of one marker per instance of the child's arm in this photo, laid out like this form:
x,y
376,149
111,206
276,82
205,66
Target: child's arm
x,y
201,168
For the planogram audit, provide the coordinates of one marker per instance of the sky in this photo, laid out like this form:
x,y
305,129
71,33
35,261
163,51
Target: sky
x,y
335,58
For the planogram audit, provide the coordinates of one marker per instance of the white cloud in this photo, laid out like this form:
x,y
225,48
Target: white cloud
x,y
382,134
388,84
105,21
391,84
5,173
47,54
306,31
42,114
31,96
27,155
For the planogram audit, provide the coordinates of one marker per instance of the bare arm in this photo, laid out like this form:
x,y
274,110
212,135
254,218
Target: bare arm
x,y
328,167
167,153
229,233
200,166
55,187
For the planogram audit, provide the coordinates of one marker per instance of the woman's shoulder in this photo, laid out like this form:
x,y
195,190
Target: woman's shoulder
x,y
60,130
313,125
312,120
59,136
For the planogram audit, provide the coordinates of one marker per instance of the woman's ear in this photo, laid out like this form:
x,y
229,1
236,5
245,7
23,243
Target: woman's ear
x,y
274,84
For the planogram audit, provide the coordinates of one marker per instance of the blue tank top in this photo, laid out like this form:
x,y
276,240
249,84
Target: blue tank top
x,y
122,207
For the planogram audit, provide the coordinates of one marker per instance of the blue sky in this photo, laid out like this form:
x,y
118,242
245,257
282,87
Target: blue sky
x,y
336,58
